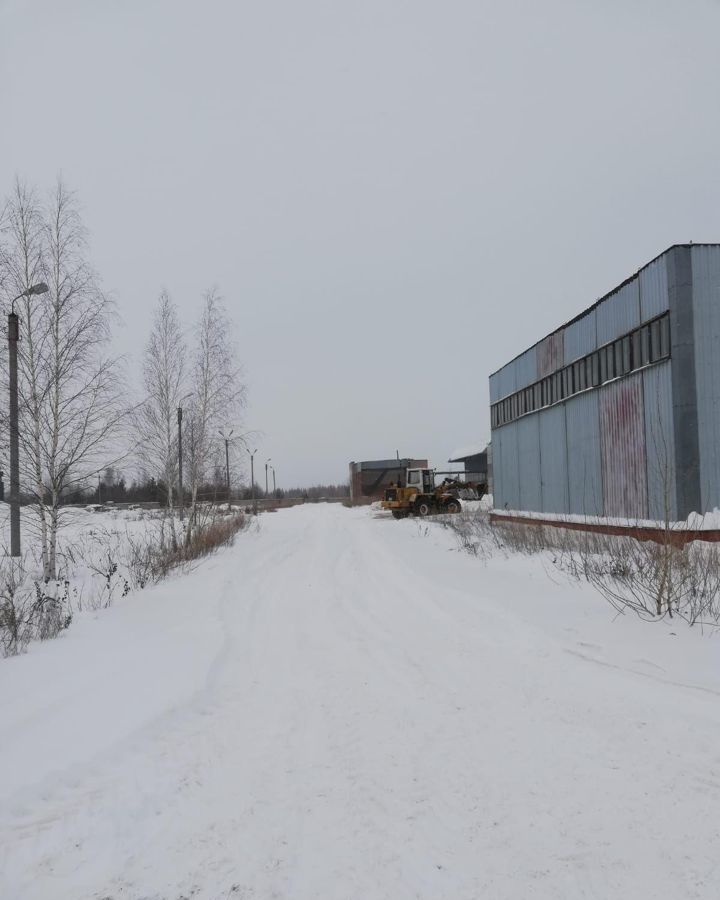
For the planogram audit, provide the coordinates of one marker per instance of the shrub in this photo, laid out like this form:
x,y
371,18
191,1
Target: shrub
x,y
115,563
652,579
30,609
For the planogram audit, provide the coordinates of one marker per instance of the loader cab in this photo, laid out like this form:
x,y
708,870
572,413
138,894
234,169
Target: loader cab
x,y
421,480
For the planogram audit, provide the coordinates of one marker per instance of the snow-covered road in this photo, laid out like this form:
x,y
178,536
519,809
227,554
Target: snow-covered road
x,y
342,707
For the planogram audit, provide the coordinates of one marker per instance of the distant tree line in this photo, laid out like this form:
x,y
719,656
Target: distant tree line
x,y
316,492
112,486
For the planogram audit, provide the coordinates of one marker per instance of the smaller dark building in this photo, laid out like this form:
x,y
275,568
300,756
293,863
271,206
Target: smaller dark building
x,y
369,479
477,463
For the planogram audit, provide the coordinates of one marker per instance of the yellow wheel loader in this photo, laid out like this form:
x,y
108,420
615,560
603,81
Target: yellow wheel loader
x,y
420,496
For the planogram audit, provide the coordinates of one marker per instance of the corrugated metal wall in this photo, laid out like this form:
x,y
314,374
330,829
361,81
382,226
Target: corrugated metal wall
x,y
498,486
505,467
517,374
611,450
585,490
553,459
660,441
502,383
525,368
528,439
550,354
581,337
654,289
622,429
706,312
619,314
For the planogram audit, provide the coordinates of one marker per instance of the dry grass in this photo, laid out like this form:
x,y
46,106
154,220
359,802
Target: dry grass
x,y
116,563
651,579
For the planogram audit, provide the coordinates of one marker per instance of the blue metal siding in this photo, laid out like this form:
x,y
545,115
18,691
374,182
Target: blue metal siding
x,y
619,314
494,383
505,381
525,368
581,337
583,451
505,469
622,429
497,488
706,312
550,354
553,459
660,441
654,289
528,442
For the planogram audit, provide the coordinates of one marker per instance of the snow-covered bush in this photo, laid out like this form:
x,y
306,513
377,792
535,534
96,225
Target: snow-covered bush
x,y
99,564
650,578
30,609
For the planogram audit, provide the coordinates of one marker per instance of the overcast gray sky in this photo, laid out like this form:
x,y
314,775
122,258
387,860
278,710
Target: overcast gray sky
x,y
394,197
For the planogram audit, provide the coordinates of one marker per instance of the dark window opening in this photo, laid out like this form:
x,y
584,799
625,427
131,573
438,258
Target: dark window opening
x,y
643,346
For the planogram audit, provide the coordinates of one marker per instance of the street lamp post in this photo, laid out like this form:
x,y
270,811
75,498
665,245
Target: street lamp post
x,y
252,479
266,476
13,338
180,483
227,462
274,488
227,468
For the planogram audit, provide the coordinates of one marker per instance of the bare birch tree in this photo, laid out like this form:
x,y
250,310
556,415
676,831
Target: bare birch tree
x,y
218,394
25,265
70,396
82,408
164,382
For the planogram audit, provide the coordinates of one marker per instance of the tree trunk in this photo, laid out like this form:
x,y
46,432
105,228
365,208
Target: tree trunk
x,y
52,557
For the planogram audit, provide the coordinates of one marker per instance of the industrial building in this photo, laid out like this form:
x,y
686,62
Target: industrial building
x,y
617,413
477,463
369,479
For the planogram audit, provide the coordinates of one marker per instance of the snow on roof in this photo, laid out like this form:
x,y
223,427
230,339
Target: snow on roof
x,y
464,452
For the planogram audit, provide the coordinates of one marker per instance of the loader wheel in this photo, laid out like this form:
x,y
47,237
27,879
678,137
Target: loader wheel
x,y
399,514
452,506
423,508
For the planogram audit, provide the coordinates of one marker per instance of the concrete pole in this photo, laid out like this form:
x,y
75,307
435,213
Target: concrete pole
x,y
252,482
180,482
13,337
266,481
227,468
274,488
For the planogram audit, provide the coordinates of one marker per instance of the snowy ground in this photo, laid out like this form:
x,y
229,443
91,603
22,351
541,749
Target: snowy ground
x,y
344,706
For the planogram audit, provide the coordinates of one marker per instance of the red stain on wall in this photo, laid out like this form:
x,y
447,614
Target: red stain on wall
x,y
622,437
550,354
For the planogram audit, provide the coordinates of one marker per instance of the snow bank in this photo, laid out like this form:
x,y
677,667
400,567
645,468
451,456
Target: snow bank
x,y
694,522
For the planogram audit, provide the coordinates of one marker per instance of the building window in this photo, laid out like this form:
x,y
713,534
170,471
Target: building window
x,y
611,369
665,336
643,346
557,386
625,343
635,343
